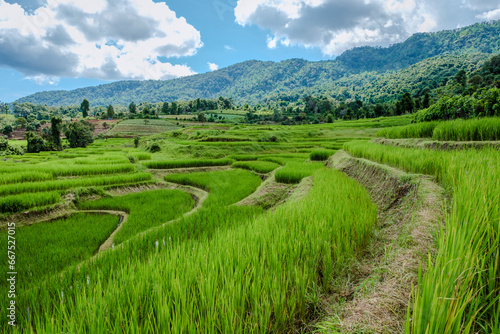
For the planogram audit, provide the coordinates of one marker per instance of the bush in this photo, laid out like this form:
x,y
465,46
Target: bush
x,y
155,147
80,134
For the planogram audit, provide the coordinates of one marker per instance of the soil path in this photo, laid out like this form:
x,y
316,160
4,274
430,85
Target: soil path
x,y
123,219
198,195
377,294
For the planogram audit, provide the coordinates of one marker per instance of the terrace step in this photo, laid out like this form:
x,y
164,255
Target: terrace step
x,y
410,208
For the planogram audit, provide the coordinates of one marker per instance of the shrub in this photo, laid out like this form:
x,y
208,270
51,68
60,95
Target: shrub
x,y
155,147
80,134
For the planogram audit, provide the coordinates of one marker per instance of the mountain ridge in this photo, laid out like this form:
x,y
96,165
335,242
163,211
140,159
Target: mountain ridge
x,y
255,81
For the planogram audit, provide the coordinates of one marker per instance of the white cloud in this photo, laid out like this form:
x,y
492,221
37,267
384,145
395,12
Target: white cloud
x,y
272,42
213,67
44,80
229,48
491,15
337,25
103,39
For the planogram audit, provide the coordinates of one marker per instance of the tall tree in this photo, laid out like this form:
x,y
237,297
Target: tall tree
x,y
110,111
55,132
85,108
132,108
407,103
426,103
461,77
165,108
174,108
201,117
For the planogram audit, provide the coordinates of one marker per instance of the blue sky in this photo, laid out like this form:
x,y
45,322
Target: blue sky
x,y
68,44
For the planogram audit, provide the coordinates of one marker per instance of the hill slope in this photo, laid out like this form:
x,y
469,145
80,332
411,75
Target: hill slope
x,y
254,81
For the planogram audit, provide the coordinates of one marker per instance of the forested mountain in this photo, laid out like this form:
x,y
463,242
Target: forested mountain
x,y
424,61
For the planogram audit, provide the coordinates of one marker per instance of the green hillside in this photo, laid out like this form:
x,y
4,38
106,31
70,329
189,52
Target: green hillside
x,y
257,81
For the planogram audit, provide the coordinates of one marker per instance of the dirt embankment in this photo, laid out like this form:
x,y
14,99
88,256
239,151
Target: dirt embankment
x,y
374,298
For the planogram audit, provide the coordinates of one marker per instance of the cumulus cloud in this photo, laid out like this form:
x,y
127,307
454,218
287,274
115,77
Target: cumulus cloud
x,y
103,39
338,25
213,67
491,15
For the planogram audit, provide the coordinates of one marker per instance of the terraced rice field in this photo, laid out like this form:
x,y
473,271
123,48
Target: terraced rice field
x,y
135,127
188,253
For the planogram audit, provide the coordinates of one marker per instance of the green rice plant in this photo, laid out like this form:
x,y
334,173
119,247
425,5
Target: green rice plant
x,y
294,172
68,170
139,156
24,177
147,209
220,184
253,277
284,158
16,203
460,291
469,130
71,156
257,166
47,248
244,157
187,163
277,160
109,160
320,155
30,187
417,130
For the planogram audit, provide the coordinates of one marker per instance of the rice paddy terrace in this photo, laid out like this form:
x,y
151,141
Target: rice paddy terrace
x,y
258,229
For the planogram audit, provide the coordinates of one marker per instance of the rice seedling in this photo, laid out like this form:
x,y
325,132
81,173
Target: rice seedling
x,y
187,163
253,277
469,130
109,160
24,177
320,155
221,185
459,292
30,187
456,130
16,203
294,172
139,156
244,157
257,166
71,156
68,170
147,209
277,160
418,130
47,248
